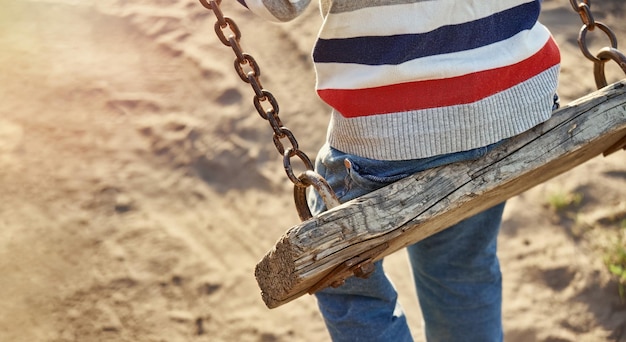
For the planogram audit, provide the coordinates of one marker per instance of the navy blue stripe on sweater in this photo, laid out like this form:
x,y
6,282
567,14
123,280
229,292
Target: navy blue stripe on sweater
x,y
397,49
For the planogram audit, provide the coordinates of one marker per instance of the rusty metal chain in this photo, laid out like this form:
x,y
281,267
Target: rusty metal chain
x,y
583,8
266,105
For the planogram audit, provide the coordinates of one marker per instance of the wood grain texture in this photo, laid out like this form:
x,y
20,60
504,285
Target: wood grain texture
x,y
423,204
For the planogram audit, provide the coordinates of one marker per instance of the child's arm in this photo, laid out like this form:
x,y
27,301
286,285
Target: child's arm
x,y
276,10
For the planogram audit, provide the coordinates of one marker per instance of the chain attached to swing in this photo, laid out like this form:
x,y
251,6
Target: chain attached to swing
x,y
264,98
583,8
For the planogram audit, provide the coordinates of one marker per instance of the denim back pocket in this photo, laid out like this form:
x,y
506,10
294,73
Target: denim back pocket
x,y
368,175
372,175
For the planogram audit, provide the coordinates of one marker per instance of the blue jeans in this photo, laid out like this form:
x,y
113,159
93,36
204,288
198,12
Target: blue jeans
x,y
456,271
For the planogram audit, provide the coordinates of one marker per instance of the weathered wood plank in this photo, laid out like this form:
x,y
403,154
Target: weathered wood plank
x,y
423,204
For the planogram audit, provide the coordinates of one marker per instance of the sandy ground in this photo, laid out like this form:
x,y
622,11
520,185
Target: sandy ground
x,y
138,187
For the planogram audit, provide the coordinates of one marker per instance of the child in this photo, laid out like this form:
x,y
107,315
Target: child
x,y
416,84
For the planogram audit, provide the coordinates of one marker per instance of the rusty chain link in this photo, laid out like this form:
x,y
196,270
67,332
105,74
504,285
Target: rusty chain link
x,y
266,105
583,8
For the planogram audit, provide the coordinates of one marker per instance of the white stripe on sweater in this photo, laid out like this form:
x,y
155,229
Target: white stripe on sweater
x,y
406,18
357,76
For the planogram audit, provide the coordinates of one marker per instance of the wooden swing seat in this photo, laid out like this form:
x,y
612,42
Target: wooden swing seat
x,y
345,240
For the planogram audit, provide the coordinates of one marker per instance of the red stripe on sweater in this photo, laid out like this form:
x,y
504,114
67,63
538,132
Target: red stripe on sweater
x,y
440,92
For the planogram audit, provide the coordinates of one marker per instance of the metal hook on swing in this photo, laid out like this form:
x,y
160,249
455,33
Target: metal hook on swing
x,y
320,185
605,54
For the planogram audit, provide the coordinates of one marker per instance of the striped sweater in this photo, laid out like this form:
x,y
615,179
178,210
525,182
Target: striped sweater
x,y
410,79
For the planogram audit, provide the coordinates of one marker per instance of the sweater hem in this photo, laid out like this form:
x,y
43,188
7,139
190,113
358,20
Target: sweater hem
x,y
426,133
